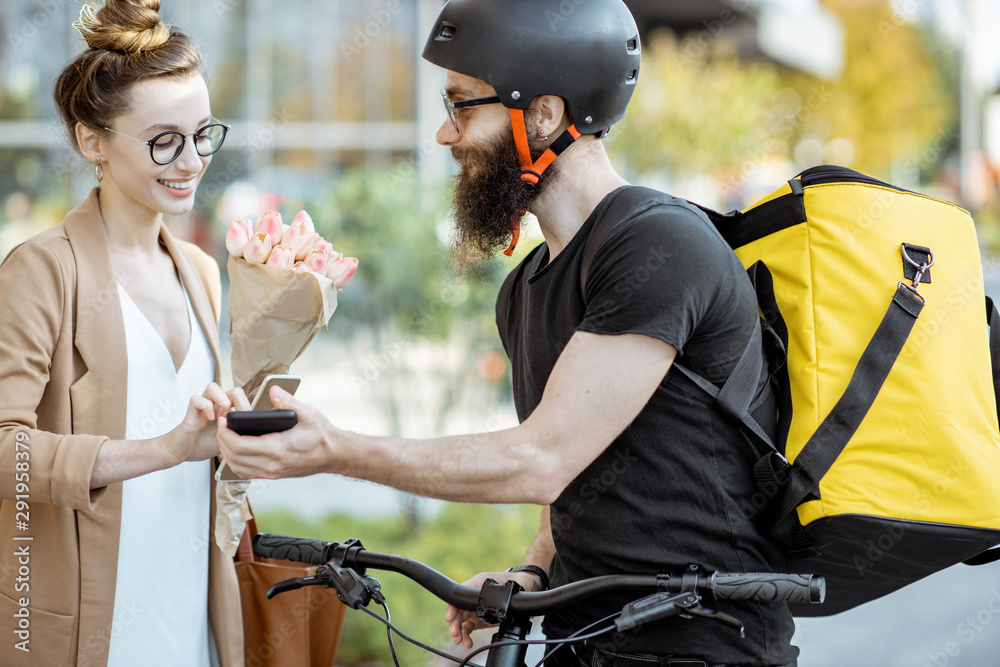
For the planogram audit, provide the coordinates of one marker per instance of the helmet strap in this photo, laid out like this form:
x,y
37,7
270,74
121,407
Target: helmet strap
x,y
531,171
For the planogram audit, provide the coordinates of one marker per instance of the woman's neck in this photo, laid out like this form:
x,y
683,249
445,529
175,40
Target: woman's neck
x,y
131,229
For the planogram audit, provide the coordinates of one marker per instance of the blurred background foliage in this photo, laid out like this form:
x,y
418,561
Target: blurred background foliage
x,y
704,110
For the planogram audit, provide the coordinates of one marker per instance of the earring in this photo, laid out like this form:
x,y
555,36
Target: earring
x,y
99,170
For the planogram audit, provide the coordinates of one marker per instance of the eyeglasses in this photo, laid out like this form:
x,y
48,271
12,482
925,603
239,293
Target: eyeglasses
x,y
451,106
166,147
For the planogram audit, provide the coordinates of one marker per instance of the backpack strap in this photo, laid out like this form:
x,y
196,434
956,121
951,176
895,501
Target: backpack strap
x,y
993,318
839,426
735,397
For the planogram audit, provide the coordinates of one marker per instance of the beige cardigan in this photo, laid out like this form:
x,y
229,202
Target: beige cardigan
x,y
63,389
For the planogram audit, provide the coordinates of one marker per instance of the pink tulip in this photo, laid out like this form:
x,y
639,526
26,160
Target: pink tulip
x,y
271,225
238,236
316,261
341,271
300,267
300,240
305,219
281,255
323,245
258,249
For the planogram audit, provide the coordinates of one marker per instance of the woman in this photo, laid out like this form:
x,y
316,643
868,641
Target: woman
x,y
110,325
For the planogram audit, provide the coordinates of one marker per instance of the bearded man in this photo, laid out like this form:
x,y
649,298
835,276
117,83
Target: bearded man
x,y
636,473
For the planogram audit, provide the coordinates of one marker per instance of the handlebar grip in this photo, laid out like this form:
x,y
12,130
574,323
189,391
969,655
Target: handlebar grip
x,y
766,586
301,550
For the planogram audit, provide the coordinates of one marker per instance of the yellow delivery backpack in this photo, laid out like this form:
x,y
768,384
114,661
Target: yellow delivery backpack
x,y
886,466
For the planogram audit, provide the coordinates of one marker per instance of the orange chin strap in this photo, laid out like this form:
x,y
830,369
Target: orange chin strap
x,y
531,171
513,243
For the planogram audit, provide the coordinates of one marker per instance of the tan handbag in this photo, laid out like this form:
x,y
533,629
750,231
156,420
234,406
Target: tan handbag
x,y
300,627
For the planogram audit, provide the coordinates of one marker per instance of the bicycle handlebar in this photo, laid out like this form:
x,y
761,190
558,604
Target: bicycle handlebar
x,y
721,586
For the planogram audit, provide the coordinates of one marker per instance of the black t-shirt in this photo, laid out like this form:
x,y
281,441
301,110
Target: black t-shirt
x,y
672,488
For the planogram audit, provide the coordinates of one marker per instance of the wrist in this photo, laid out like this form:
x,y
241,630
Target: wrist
x,y
163,446
535,570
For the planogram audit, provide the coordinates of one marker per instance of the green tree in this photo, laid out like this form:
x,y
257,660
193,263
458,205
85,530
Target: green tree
x,y
418,330
697,110
892,100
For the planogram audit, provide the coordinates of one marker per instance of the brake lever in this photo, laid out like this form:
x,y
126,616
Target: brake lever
x,y
291,585
698,609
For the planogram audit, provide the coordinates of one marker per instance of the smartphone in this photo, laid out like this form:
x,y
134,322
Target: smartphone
x,y
257,422
262,399
260,422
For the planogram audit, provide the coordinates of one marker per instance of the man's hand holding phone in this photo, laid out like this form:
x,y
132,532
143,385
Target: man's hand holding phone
x,y
299,451
261,419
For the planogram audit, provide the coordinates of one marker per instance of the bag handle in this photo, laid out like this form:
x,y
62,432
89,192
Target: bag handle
x,y
839,426
244,550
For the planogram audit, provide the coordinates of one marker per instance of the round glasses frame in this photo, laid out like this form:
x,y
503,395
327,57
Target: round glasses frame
x,y
197,134
450,106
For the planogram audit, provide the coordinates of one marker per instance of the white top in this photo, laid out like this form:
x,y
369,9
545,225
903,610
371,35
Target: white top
x,y
161,594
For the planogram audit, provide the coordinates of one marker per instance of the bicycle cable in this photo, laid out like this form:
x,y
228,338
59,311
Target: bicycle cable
x,y
535,642
573,637
388,633
415,642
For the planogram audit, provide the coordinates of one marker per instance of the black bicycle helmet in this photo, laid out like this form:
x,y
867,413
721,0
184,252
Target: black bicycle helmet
x,y
585,51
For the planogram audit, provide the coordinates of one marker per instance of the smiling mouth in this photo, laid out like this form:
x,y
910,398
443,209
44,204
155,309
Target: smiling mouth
x,y
177,185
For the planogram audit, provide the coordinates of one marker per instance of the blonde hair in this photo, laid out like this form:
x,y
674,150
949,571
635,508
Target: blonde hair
x,y
128,43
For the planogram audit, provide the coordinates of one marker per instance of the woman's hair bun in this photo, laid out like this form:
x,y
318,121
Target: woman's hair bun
x,y
129,26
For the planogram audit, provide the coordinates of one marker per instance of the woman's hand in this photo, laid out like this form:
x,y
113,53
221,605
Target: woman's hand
x,y
194,438
461,623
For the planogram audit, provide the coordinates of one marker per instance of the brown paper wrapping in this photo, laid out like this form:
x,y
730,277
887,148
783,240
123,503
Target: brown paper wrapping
x,y
274,313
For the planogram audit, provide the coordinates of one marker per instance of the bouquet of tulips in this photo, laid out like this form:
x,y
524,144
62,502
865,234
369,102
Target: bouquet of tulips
x,y
283,288
283,284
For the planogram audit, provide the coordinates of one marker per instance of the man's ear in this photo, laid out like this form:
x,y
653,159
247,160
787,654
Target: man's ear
x,y
90,143
551,118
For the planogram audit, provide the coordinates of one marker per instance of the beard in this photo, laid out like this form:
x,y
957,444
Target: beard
x,y
489,199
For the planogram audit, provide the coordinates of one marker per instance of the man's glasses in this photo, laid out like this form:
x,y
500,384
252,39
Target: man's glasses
x,y
166,147
451,106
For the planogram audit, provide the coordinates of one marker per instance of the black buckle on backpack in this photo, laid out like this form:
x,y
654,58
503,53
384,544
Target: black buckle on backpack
x,y
917,263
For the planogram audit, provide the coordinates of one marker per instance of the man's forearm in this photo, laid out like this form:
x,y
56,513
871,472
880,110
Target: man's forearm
x,y
509,466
